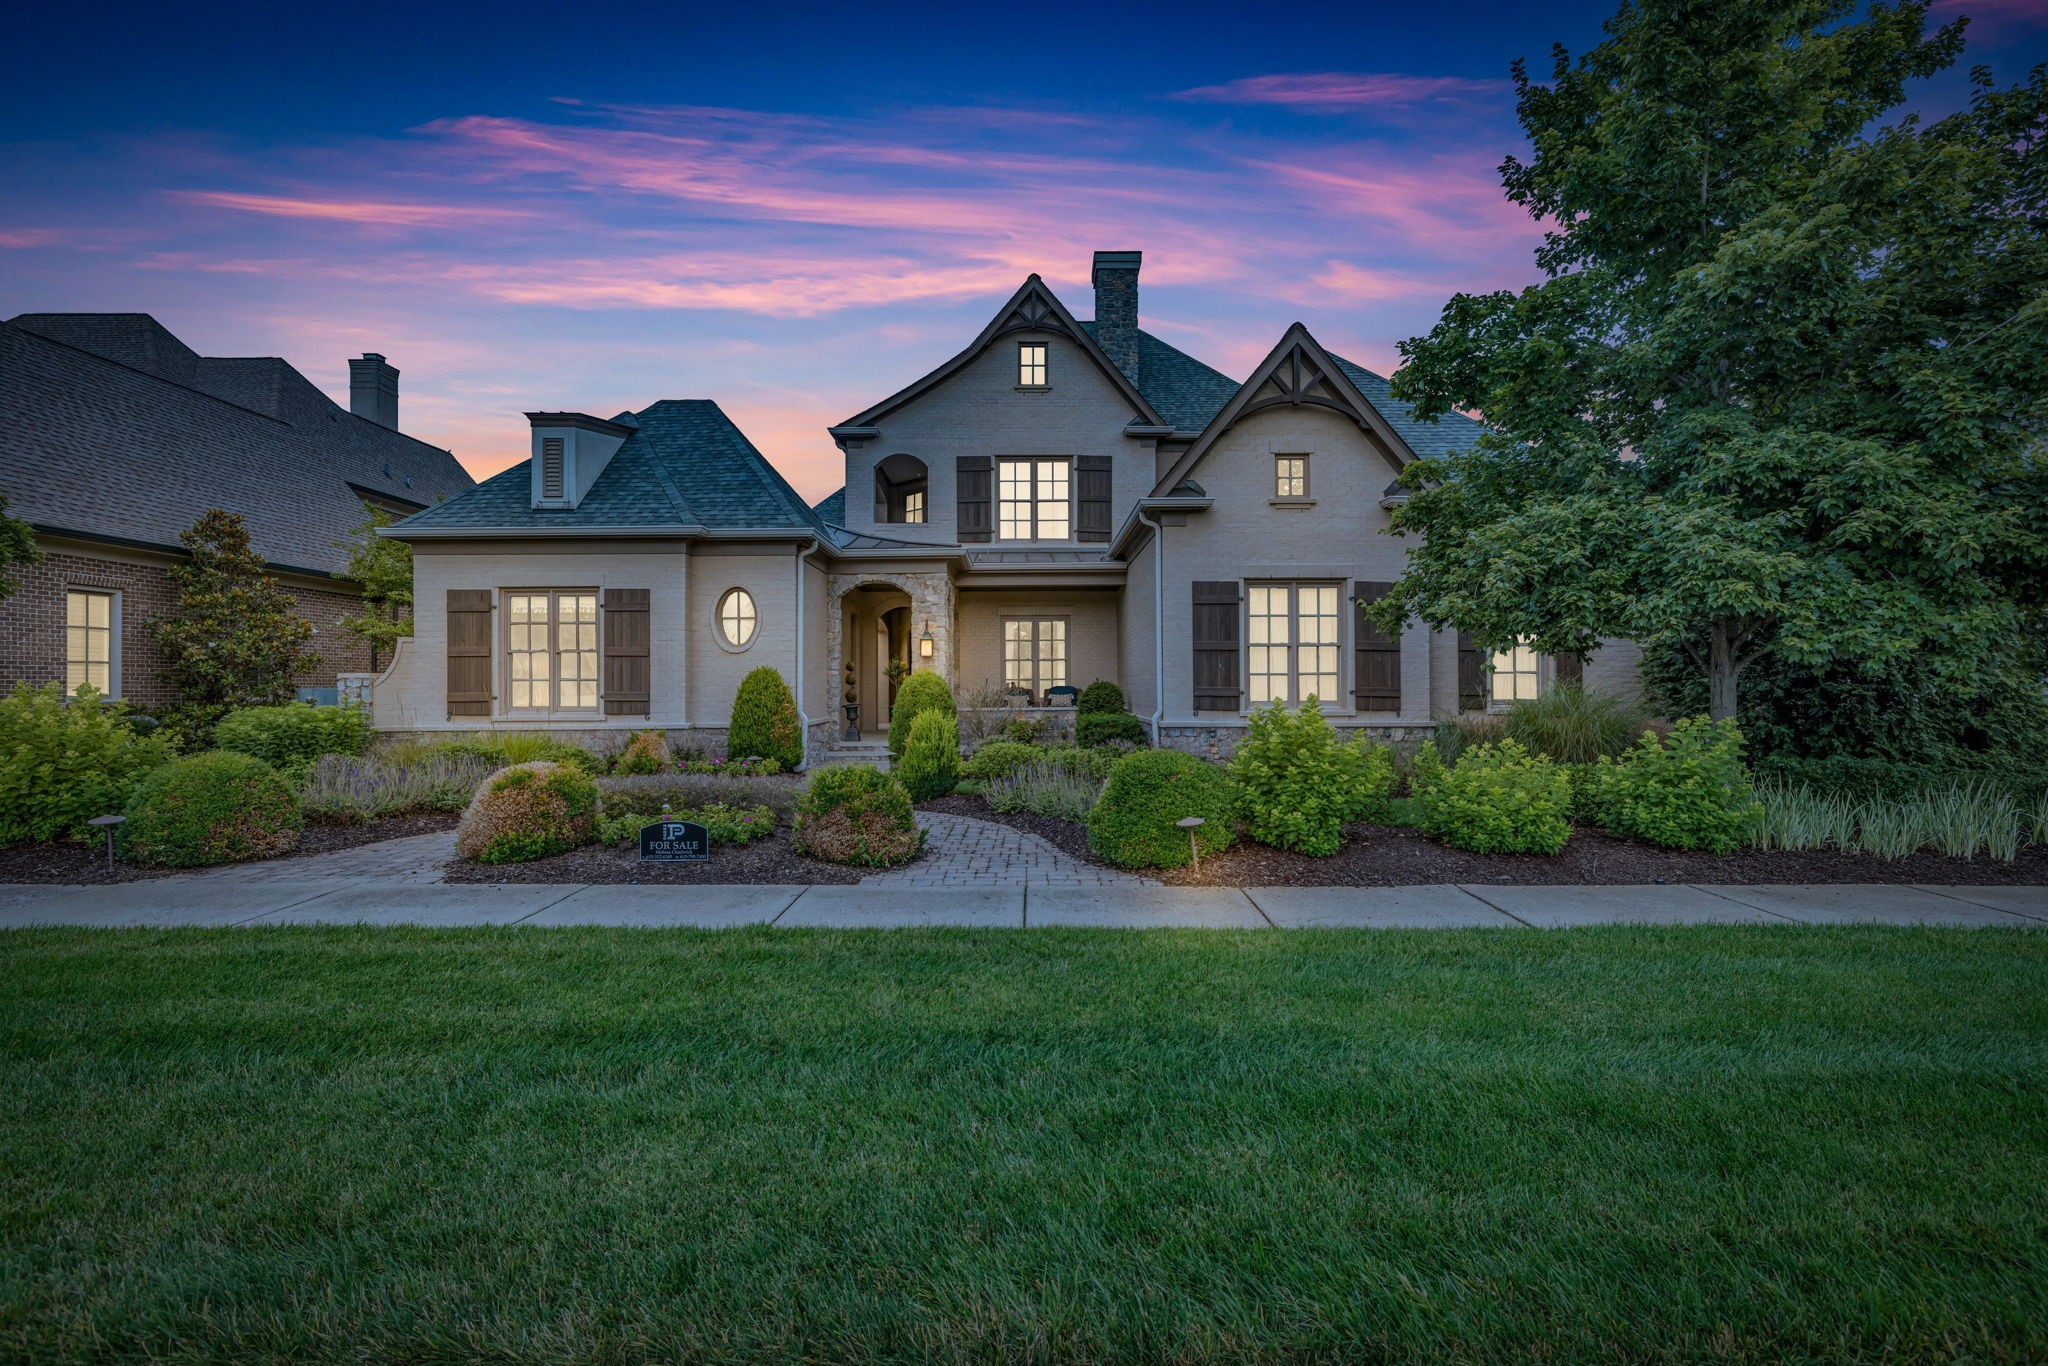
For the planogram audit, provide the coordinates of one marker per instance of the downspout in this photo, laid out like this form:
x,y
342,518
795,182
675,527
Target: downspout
x,y
1158,622
803,718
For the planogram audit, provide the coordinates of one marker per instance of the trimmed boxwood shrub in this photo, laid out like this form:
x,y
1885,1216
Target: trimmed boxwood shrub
x,y
291,736
931,761
1500,799
1133,825
219,807
764,720
1298,785
1109,727
857,814
1690,792
995,758
62,763
1101,696
528,811
922,691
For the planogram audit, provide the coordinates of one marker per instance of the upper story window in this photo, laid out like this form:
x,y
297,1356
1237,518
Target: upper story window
x,y
551,650
1291,639
88,642
1031,364
737,618
1034,499
1290,476
902,487
913,507
1517,674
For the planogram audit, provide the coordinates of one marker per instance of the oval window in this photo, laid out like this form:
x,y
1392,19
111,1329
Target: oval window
x,y
736,618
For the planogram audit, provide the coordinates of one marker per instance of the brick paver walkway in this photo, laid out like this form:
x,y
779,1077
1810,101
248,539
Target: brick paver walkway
x,y
961,851
412,859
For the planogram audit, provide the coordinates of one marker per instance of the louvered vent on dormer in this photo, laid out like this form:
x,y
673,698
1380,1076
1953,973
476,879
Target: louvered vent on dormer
x,y
551,467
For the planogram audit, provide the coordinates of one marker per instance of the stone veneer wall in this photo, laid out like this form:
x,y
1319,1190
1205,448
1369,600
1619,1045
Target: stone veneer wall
x,y
1220,742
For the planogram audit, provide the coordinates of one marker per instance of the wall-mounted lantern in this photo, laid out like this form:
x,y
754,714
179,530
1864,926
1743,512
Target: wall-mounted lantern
x,y
925,646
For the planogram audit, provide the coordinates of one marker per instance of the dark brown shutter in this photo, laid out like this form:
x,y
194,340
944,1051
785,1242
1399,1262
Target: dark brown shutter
x,y
1376,660
973,484
1091,493
1216,637
1471,675
469,652
627,690
1569,668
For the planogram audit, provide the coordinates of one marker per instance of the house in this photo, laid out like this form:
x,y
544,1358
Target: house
x,y
115,437
1062,501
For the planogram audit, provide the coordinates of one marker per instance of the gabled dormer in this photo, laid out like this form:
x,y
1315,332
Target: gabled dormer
x,y
570,450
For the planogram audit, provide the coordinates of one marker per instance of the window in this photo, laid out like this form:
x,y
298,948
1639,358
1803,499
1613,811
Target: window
x,y
902,486
737,618
1031,364
1517,674
1035,654
1032,500
913,507
551,648
89,642
1290,476
1292,638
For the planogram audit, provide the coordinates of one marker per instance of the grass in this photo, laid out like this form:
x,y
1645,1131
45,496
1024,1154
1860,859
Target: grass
x,y
1699,1144
1961,819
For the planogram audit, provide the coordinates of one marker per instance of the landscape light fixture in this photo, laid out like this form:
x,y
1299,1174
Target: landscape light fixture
x,y
109,822
1191,824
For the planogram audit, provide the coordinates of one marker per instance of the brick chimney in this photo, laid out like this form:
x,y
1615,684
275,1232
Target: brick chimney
x,y
1116,308
373,390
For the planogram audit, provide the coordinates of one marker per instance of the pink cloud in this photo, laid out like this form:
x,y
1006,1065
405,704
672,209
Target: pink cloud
x,y
1335,91
353,211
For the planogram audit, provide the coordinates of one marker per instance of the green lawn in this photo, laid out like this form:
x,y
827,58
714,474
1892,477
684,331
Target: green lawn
x,y
583,1144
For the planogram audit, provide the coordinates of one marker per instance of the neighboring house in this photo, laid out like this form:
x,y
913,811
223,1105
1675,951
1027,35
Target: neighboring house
x,y
115,437
1060,502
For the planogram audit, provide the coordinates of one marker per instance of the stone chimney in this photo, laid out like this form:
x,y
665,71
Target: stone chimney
x,y
373,390
1116,308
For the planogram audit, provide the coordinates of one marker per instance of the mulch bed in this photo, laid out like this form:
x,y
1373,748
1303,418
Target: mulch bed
x,y
87,863
771,859
1392,856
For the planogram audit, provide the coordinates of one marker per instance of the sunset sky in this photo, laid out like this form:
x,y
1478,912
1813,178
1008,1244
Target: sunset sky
x,y
791,211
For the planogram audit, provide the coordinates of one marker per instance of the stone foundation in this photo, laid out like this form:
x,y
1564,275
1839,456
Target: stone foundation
x,y
1220,742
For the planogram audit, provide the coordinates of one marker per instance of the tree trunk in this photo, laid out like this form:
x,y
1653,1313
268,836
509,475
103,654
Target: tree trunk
x,y
1722,670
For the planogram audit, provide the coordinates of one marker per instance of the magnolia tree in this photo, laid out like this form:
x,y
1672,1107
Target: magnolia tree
x,y
383,567
235,637
1784,385
17,546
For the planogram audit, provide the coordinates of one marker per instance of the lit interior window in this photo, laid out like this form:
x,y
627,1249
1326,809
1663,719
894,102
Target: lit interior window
x,y
1035,655
1291,639
88,642
1516,674
1031,363
737,617
1033,500
1290,476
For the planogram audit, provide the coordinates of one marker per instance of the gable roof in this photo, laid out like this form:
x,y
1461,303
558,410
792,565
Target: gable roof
x,y
112,429
1449,433
832,507
685,467
1186,392
1033,308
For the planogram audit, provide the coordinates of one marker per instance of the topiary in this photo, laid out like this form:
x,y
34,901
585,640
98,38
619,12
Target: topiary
x,y
1500,799
1691,792
931,760
855,813
1134,823
1298,785
764,720
922,691
1107,727
996,758
218,807
528,811
647,752
62,763
290,737
1100,696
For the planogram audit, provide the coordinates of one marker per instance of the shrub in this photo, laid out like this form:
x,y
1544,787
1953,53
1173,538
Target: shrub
x,y
749,767
506,749
1298,785
764,720
1691,792
219,807
1425,770
725,824
1500,799
345,788
1456,734
290,737
647,752
1022,730
1045,789
1134,823
922,691
1093,764
529,811
1104,727
1574,726
62,763
1959,820
1101,696
998,757
691,790
931,761
856,814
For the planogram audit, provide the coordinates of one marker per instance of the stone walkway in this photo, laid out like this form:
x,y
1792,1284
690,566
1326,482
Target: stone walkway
x,y
412,860
961,851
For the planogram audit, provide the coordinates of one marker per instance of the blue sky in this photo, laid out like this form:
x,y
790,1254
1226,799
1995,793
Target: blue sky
x,y
792,211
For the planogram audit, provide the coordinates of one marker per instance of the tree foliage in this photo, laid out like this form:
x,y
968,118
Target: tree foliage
x,y
17,546
1783,387
235,638
383,567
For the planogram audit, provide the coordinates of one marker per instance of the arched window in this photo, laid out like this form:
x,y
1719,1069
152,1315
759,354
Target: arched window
x,y
737,618
902,491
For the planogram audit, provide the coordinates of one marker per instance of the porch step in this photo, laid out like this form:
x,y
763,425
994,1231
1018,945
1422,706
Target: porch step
x,y
874,752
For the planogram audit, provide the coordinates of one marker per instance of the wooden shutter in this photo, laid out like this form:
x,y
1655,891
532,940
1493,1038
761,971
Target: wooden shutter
x,y
1376,658
1091,493
1216,635
1471,675
551,467
469,652
1568,668
627,685
974,479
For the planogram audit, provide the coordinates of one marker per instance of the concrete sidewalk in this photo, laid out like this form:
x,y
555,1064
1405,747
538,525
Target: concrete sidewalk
x,y
172,902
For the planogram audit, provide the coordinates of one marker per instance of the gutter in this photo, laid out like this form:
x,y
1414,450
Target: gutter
x,y
803,718
1158,619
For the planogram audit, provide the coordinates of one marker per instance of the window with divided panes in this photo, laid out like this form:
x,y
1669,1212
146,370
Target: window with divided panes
x,y
1034,499
88,642
1291,642
551,650
1035,654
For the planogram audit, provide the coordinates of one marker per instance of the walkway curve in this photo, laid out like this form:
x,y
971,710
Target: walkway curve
x,y
961,851
409,859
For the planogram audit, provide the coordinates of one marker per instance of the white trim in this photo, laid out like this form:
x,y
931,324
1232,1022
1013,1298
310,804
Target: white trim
x,y
113,595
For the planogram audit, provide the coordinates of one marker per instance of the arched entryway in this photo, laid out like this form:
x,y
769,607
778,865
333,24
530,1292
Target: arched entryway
x,y
878,634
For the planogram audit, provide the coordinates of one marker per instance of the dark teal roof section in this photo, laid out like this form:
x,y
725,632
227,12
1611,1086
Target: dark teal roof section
x,y
686,465
1452,432
1186,392
832,507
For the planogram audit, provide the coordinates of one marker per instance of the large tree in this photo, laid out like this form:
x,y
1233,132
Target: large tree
x,y
235,637
1784,385
383,567
17,546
